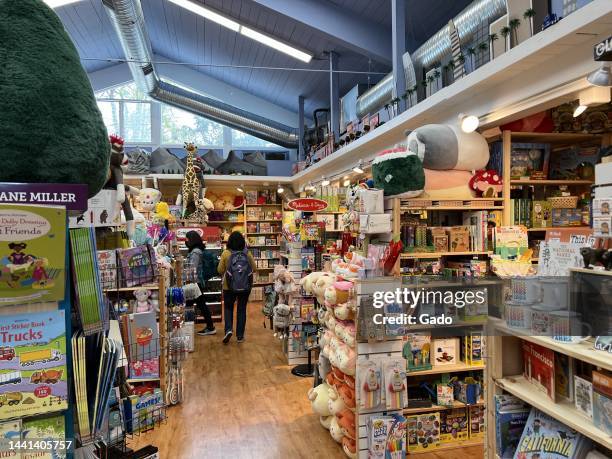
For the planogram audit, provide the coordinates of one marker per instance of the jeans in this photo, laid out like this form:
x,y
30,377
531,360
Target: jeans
x,y
229,298
203,307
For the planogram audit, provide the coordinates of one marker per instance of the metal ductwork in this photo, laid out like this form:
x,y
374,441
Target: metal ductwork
x,y
128,19
432,51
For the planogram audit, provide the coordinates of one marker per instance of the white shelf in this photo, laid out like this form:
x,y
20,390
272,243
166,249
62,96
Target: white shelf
x,y
438,369
564,412
582,351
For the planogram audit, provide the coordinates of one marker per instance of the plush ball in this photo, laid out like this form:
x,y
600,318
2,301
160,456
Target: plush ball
x,y
398,172
444,147
319,397
50,124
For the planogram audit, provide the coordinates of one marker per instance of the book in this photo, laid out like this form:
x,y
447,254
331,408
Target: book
x,y
539,367
564,377
136,266
47,429
32,254
10,431
143,345
510,241
509,425
602,412
583,395
541,214
602,382
417,352
107,266
143,412
34,380
545,437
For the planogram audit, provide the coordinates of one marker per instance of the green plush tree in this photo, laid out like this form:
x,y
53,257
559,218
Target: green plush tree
x,y
50,124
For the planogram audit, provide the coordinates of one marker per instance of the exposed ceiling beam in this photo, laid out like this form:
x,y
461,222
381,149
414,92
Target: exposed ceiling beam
x,y
353,32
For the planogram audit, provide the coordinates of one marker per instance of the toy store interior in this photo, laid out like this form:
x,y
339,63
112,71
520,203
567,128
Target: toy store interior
x,y
369,229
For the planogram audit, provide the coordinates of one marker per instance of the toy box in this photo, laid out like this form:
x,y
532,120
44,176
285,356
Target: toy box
x,y
477,421
459,239
472,348
453,425
375,223
444,395
467,392
417,352
423,432
566,217
445,351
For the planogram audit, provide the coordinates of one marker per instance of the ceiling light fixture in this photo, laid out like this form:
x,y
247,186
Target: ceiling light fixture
x,y
208,14
347,182
253,34
280,189
602,76
579,110
325,181
58,3
469,123
240,190
359,167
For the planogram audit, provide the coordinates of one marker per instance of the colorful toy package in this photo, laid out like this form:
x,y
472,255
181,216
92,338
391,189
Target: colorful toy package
x,y
387,437
417,352
453,425
32,253
423,432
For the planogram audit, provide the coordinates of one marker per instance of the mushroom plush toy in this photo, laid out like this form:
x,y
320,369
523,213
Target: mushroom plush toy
x,y
486,183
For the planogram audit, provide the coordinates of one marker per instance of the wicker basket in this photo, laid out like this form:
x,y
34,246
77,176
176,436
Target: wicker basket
x,y
564,202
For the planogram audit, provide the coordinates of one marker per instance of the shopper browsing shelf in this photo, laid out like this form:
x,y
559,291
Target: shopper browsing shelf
x,y
198,256
236,266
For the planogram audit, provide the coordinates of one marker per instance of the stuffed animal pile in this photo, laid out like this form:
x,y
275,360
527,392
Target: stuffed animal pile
x,y
337,359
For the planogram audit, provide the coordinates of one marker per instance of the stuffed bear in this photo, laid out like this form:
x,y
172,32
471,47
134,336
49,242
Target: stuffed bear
x,y
143,304
148,198
52,129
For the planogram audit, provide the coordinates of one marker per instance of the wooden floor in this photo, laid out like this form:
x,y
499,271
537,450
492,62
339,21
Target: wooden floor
x,y
241,401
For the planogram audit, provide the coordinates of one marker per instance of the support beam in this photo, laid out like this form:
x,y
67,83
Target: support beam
x,y
301,152
398,39
348,29
334,96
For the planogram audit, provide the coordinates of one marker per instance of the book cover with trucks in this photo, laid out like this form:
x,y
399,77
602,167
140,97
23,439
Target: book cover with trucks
x,y
33,375
32,254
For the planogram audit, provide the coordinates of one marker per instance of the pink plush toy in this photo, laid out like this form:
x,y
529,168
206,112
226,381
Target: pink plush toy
x,y
346,421
346,359
143,304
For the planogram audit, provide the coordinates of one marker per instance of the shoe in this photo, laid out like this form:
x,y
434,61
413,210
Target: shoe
x,y
206,332
240,340
227,337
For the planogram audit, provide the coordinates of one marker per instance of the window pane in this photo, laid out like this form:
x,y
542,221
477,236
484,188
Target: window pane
x,y
179,126
137,121
125,91
110,115
240,139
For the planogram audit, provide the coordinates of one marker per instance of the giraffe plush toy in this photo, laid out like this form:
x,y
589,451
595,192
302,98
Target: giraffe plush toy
x,y
191,196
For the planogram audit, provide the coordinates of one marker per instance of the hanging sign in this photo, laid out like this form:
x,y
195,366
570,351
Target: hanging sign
x,y
602,51
72,196
307,204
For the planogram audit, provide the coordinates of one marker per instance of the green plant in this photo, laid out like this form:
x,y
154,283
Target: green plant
x,y
472,52
528,15
505,32
483,48
436,76
514,25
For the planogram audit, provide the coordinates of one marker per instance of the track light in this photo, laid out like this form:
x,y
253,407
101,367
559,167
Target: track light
x,y
359,167
347,182
579,110
469,123
240,189
602,76
280,189
325,182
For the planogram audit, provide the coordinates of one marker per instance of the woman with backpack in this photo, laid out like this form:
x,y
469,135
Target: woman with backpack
x,y
196,257
236,266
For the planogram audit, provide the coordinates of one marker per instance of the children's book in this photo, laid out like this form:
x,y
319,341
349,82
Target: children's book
x,y
509,427
142,412
144,345
32,254
33,375
10,431
107,266
417,351
583,395
545,437
564,377
136,266
102,210
539,367
510,241
49,429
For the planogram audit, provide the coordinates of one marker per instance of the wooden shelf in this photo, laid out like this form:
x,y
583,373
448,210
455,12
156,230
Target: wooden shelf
x,y
131,289
554,137
270,245
265,205
449,446
273,232
407,256
226,222
416,209
584,351
456,404
557,228
564,412
435,370
551,182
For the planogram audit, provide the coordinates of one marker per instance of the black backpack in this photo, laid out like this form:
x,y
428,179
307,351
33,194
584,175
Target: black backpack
x,y
239,273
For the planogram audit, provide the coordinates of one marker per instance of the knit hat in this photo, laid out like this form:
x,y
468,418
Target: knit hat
x,y
399,172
